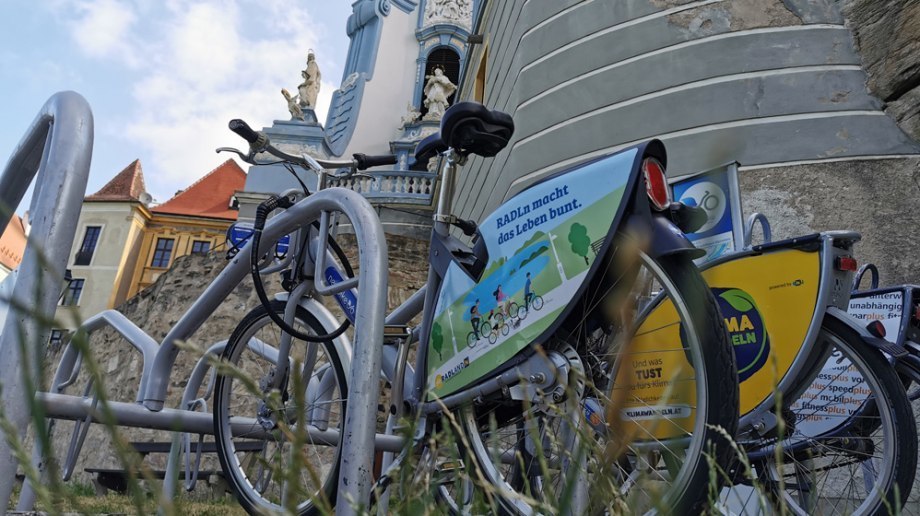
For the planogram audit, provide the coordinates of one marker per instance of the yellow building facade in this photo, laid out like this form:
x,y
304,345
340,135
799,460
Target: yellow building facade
x,y
123,243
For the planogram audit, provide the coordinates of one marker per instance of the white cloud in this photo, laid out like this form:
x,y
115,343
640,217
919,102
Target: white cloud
x,y
102,28
197,64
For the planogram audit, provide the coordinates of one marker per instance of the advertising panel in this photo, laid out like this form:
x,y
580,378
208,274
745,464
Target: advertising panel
x,y
839,390
541,245
768,302
886,307
717,192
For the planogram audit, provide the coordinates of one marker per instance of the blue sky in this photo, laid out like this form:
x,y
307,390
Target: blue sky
x,y
164,77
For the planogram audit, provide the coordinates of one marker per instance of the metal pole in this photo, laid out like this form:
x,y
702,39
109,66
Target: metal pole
x,y
356,475
58,148
73,408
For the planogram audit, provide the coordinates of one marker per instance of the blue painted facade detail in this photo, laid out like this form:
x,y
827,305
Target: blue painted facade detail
x,y
405,6
343,113
363,28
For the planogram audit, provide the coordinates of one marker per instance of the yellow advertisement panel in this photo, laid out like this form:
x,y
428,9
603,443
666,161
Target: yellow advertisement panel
x,y
768,302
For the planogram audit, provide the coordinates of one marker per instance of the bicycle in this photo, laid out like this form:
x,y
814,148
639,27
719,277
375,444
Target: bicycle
x,y
472,338
583,345
536,302
831,428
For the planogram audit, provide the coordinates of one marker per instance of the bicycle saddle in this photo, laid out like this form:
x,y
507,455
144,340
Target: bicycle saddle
x,y
429,148
471,128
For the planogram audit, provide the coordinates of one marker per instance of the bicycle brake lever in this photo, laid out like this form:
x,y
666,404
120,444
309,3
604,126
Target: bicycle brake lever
x,y
245,157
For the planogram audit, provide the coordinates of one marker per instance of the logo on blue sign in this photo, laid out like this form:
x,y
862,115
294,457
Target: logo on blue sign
x,y
347,299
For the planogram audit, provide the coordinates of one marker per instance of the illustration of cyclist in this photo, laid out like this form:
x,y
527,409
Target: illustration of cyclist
x,y
528,293
502,300
475,319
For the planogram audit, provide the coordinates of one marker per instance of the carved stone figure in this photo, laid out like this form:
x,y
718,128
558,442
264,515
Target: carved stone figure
x,y
458,12
309,88
437,90
293,104
412,115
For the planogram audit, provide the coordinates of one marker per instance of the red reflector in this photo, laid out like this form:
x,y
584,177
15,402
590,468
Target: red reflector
x,y
847,263
876,328
656,184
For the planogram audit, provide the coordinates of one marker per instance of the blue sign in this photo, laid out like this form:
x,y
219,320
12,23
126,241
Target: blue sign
x,y
241,232
717,192
347,299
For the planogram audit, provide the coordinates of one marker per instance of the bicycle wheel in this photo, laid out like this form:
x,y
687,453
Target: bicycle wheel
x,y
653,454
513,309
267,472
852,448
471,339
537,302
522,312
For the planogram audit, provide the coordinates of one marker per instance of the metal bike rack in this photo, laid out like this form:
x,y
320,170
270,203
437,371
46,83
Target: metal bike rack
x,y
57,148
357,437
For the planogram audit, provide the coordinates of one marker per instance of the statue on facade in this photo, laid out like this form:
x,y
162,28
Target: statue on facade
x,y
451,11
308,90
437,90
412,115
293,104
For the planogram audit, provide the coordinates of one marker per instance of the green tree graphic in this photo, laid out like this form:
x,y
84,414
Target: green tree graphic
x,y
578,237
437,339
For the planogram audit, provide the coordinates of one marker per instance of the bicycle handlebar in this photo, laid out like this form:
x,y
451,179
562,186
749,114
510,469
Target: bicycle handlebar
x,y
243,130
258,142
363,161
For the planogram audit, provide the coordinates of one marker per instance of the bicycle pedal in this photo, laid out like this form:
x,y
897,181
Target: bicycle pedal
x,y
395,331
892,349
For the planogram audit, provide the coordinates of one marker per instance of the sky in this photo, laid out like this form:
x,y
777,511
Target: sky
x,y
163,77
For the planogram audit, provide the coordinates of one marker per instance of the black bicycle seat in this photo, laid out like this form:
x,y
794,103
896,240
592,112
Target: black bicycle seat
x,y
429,148
471,128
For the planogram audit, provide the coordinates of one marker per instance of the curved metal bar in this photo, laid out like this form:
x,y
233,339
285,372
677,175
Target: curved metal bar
x,y
57,148
358,436
873,281
764,227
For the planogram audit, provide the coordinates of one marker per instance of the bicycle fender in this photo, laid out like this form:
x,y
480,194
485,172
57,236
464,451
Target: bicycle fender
x,y
660,235
896,351
341,343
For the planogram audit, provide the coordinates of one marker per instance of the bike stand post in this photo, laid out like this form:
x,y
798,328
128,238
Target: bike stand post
x,y
356,474
57,148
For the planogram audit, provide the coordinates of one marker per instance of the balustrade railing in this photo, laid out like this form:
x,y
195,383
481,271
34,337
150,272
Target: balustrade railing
x,y
393,187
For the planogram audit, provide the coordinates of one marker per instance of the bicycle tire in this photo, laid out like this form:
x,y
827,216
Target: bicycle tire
x,y
471,339
537,302
246,474
715,416
522,312
879,443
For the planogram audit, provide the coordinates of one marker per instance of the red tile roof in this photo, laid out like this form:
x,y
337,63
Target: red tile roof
x,y
127,185
209,196
12,243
